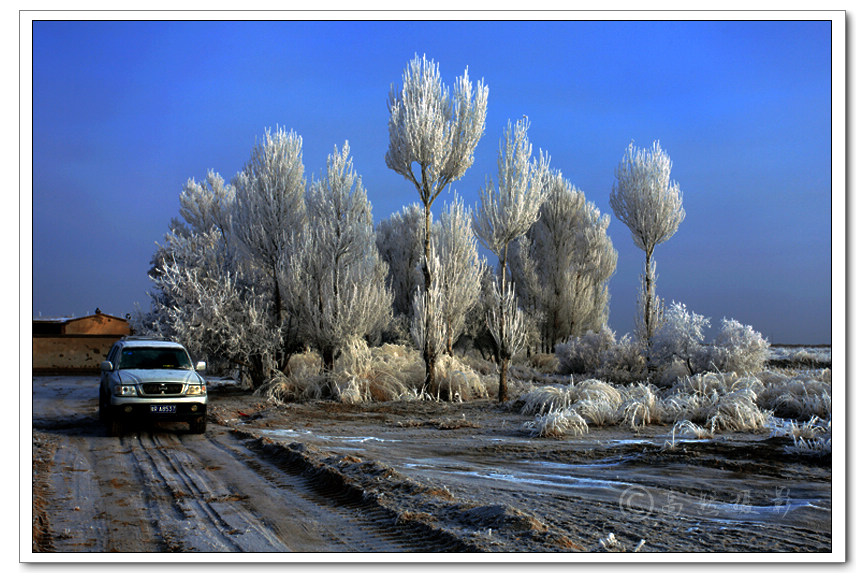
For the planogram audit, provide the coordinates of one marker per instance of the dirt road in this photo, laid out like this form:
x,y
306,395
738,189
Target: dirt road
x,y
408,477
162,489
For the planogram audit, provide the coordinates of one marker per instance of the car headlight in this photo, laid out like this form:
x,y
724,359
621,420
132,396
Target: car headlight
x,y
196,389
125,390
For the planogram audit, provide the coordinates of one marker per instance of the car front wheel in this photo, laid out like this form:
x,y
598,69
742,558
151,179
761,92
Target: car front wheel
x,y
115,426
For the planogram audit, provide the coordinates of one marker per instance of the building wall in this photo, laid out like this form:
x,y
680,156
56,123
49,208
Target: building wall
x,y
77,345
97,324
69,354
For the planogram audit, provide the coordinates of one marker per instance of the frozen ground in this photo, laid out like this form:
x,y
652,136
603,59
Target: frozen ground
x,y
408,477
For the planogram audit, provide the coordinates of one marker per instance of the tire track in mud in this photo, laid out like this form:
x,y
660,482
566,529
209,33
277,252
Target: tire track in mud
x,y
664,528
164,490
395,532
177,501
246,507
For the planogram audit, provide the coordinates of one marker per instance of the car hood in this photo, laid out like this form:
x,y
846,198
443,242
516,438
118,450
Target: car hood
x,y
167,375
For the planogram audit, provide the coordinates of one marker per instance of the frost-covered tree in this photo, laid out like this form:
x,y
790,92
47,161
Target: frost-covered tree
x,y
459,271
210,309
270,204
220,276
399,239
650,204
336,273
563,263
507,210
427,325
433,135
269,212
202,297
506,323
204,205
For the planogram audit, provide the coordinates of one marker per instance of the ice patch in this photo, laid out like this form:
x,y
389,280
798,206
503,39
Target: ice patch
x,y
344,439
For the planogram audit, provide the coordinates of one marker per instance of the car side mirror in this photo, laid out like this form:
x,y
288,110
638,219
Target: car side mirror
x,y
106,366
200,366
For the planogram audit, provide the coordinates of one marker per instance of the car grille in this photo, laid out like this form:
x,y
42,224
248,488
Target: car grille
x,y
158,389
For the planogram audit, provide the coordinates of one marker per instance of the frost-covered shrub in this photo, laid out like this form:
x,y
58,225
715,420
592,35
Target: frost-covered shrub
x,y
739,348
591,398
392,372
811,438
361,374
597,403
679,343
298,385
457,381
544,363
624,362
602,355
480,365
586,353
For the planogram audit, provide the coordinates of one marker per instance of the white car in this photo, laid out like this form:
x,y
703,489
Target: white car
x,y
147,378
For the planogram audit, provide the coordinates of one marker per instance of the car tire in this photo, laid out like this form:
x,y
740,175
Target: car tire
x,y
102,413
198,425
115,427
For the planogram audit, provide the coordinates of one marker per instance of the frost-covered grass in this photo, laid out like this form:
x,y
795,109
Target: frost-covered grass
x,y
796,405
810,447
814,428
558,423
793,403
801,356
611,544
801,395
363,374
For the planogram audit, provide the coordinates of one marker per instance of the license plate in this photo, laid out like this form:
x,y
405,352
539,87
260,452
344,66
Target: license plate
x,y
163,408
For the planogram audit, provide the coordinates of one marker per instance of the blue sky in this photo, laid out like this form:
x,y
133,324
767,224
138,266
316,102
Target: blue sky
x,y
125,112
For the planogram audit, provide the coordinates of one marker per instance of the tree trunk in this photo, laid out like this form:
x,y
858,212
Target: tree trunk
x,y
647,314
429,355
504,358
256,371
503,379
429,379
427,248
328,361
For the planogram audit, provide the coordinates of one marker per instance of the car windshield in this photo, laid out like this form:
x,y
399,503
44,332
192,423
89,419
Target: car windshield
x,y
142,357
